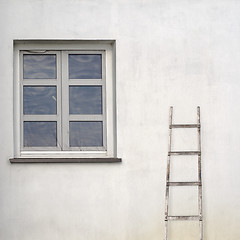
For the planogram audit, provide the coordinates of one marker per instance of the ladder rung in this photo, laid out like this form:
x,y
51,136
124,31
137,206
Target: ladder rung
x,y
184,183
184,126
185,153
184,218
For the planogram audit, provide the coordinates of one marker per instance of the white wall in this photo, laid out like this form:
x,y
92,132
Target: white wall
x,y
183,53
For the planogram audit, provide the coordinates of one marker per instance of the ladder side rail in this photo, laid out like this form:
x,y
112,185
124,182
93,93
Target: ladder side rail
x,y
168,172
199,178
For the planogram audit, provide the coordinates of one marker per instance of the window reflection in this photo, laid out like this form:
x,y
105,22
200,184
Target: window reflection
x,y
40,134
85,66
85,100
39,100
39,66
86,134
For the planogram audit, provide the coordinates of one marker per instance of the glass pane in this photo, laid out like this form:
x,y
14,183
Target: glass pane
x,y
85,100
39,100
85,66
39,66
86,134
40,134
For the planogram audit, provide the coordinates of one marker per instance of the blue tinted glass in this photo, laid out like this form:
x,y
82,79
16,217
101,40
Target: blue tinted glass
x,y
39,100
85,66
39,66
85,100
86,134
40,134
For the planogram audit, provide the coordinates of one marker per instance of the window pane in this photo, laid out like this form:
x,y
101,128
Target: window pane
x,y
40,134
39,66
85,100
39,100
85,66
86,134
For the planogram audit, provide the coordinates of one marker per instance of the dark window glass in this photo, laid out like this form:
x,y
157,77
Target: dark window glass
x,y
39,100
86,134
40,134
39,66
85,66
85,100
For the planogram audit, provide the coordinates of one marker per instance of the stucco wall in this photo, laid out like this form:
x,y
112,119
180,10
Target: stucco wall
x,y
183,53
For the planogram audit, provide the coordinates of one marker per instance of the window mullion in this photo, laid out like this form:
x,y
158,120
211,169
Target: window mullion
x,y
65,101
59,103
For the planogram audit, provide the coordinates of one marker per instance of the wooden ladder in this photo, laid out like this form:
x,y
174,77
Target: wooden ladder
x,y
198,183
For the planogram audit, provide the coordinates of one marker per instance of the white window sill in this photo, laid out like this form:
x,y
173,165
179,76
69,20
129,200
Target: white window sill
x,y
64,157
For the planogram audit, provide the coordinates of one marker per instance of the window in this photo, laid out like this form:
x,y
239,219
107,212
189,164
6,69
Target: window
x,y
65,99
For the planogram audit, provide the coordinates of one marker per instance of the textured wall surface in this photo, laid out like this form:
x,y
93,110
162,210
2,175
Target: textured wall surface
x,y
183,53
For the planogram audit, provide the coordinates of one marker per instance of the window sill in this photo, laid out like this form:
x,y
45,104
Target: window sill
x,y
65,160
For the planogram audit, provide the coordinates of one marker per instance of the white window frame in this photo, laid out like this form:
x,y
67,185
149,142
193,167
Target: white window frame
x,y
62,48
